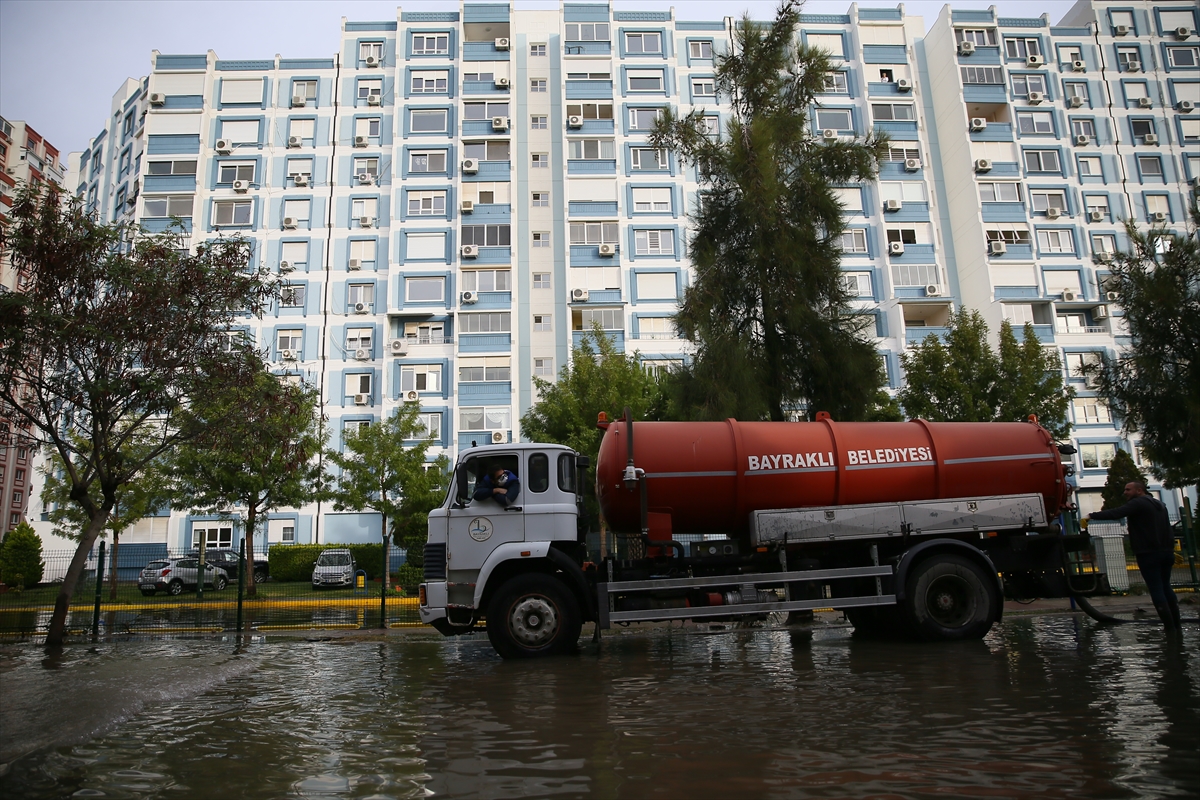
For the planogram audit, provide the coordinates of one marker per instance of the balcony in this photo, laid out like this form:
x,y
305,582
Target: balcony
x,y
587,49
489,392
994,132
617,337
491,171
918,333
483,51
1004,212
899,130
592,208
589,90
484,342
600,166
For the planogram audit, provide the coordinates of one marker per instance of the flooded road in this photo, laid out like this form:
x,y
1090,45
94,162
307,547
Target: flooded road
x,y
1043,707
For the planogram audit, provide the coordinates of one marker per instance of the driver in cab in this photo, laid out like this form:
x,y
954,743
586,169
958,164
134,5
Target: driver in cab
x,y
500,485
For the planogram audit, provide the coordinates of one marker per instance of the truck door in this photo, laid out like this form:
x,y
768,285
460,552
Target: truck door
x,y
483,525
550,512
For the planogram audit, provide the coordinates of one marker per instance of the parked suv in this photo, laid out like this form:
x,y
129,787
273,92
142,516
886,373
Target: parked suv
x,y
174,575
228,561
333,568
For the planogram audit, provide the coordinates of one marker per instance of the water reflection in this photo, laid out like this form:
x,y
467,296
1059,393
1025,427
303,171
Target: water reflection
x,y
1045,707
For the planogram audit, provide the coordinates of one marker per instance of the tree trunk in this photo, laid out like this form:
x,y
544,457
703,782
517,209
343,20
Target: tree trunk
x,y
112,584
248,569
62,603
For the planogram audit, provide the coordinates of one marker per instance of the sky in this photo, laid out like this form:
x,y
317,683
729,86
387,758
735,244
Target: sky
x,y
62,60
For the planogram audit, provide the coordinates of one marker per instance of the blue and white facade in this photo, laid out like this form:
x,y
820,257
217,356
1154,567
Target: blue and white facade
x,y
454,197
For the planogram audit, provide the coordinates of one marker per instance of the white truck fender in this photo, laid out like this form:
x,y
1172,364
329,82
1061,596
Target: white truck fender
x,y
509,551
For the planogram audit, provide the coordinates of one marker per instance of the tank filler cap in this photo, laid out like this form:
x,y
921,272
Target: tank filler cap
x,y
823,415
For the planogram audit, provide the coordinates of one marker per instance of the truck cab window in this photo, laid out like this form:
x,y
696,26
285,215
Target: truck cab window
x,y
477,468
566,472
539,472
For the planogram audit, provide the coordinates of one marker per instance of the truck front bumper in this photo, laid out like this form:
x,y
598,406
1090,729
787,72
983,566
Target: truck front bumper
x,y
433,601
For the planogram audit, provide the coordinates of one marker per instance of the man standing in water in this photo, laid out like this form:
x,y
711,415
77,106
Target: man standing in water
x,y
1153,545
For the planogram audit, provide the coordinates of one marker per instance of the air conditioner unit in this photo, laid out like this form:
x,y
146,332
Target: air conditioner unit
x,y
579,295
470,166
371,61
398,347
469,251
1053,213
829,133
469,298
896,248
983,165
361,141
1195,182
1158,216
362,354
1068,296
1120,30
1078,65
499,437
362,399
1096,216
300,180
607,249
1150,138
366,178
366,222
354,263
1091,381
978,123
904,85
1183,32
374,99
1100,312
1186,106
224,146
1035,61
361,308
503,83
289,222
1133,66
502,43
158,99
892,205
285,266
294,141
289,355
574,121
1082,140
912,164
466,206
1145,102
966,48
932,290
997,248
241,187
1076,101
1112,297
499,123
1104,258
299,101
1035,98
412,396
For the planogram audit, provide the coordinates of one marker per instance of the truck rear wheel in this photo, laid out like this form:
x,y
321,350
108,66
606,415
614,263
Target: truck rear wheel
x,y
533,615
950,598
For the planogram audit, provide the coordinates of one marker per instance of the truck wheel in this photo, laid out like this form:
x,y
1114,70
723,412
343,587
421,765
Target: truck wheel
x,y
533,615
950,598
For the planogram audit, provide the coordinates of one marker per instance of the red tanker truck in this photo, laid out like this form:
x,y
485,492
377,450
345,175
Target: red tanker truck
x,y
914,527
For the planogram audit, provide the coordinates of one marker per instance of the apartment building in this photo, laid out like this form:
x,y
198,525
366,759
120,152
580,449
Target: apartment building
x,y
454,197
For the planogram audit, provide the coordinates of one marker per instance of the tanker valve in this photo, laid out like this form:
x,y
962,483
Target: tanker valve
x,y
631,476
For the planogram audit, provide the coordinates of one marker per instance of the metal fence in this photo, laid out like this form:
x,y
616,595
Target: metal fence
x,y
1115,560
138,597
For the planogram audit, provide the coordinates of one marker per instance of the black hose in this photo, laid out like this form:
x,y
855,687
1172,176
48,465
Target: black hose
x,y
1094,613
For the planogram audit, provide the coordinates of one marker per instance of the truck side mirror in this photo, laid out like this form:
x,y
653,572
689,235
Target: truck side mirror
x,y
582,463
460,486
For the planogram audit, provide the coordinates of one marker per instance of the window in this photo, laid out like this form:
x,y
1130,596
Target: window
x,y
421,378
364,251
1121,18
1127,56
652,199
1000,192
1022,48
1157,204
486,235
907,192
702,49
540,199
589,76
978,36
591,110
1077,363
902,154
829,42
359,384
1183,56
543,368
1141,127
363,207
854,241
360,293
610,319
645,80
857,284
1104,243
1055,241
902,235
1022,85
656,328
539,160
169,206
214,537
1083,127
299,166
1019,314
370,50
171,168
538,86
429,426
1042,161
1042,200
432,161
837,119
370,88
358,339
425,332
985,76
709,125
541,238
1150,166
367,166
430,44
594,232
289,339
537,50
1035,122
915,275
1069,53
1076,89
539,122
654,243
643,43
228,172
302,129
484,73
292,295
704,87
427,203
1090,166
1097,456
587,31
643,119
429,120
1189,130
491,418
437,82
1009,236
541,280
486,280
892,111
591,149
543,322
1096,202
835,83
485,110
232,212
305,89
495,322
644,158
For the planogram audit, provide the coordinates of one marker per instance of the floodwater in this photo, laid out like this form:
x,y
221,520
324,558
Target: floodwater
x,y
1043,707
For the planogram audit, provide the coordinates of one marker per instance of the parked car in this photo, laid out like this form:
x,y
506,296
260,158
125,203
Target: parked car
x,y
228,561
333,568
174,575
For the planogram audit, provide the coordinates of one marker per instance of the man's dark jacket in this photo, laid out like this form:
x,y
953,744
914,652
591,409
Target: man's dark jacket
x,y
1149,526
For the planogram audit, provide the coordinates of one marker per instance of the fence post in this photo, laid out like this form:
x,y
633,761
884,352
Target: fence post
x,y
99,587
384,585
1189,537
241,585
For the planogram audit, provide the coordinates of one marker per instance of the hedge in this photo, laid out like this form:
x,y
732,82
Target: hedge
x,y
294,562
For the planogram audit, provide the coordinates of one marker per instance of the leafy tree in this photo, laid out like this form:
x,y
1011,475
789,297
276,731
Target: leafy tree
x,y
1155,386
383,468
1121,471
21,562
598,378
110,333
964,380
769,314
254,445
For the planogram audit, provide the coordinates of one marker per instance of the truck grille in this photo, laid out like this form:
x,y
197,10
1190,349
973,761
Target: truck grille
x,y
435,562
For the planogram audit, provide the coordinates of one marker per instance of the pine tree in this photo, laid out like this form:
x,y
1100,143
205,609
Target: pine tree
x,y
1121,471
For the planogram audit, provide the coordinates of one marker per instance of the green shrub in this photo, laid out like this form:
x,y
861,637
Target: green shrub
x,y
21,562
410,575
294,562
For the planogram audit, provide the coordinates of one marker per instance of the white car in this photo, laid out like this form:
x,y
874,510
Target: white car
x,y
333,568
